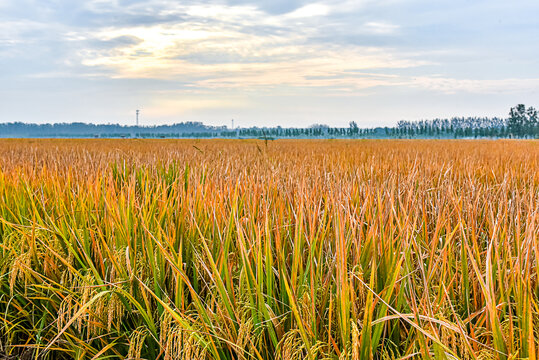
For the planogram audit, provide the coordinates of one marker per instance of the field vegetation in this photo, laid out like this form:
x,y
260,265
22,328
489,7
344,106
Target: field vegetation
x,y
287,249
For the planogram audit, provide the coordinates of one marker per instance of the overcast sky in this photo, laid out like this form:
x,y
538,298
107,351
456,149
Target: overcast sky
x,y
271,62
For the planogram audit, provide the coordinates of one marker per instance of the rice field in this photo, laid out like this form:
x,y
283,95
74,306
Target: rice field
x,y
231,249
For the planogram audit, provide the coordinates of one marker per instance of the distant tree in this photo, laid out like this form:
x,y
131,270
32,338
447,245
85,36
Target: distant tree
x,y
517,119
354,129
532,123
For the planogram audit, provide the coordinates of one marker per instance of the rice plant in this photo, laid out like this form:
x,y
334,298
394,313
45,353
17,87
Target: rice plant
x,y
220,249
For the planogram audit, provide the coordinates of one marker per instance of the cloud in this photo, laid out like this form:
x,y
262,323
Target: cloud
x,y
222,46
224,57
474,86
115,42
380,28
309,11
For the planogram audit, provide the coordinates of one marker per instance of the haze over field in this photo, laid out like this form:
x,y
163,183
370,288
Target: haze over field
x,y
265,63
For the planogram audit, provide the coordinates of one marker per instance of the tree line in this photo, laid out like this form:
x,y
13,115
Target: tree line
x,y
85,130
522,122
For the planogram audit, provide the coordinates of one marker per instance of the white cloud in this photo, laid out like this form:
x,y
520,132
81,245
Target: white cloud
x,y
380,28
310,10
486,86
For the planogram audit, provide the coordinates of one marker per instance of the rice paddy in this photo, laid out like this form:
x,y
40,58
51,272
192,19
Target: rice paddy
x,y
218,249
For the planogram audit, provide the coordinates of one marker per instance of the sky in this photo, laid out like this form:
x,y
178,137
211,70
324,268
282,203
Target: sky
x,y
266,63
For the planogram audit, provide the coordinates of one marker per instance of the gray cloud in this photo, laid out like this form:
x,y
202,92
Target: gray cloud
x,y
120,41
